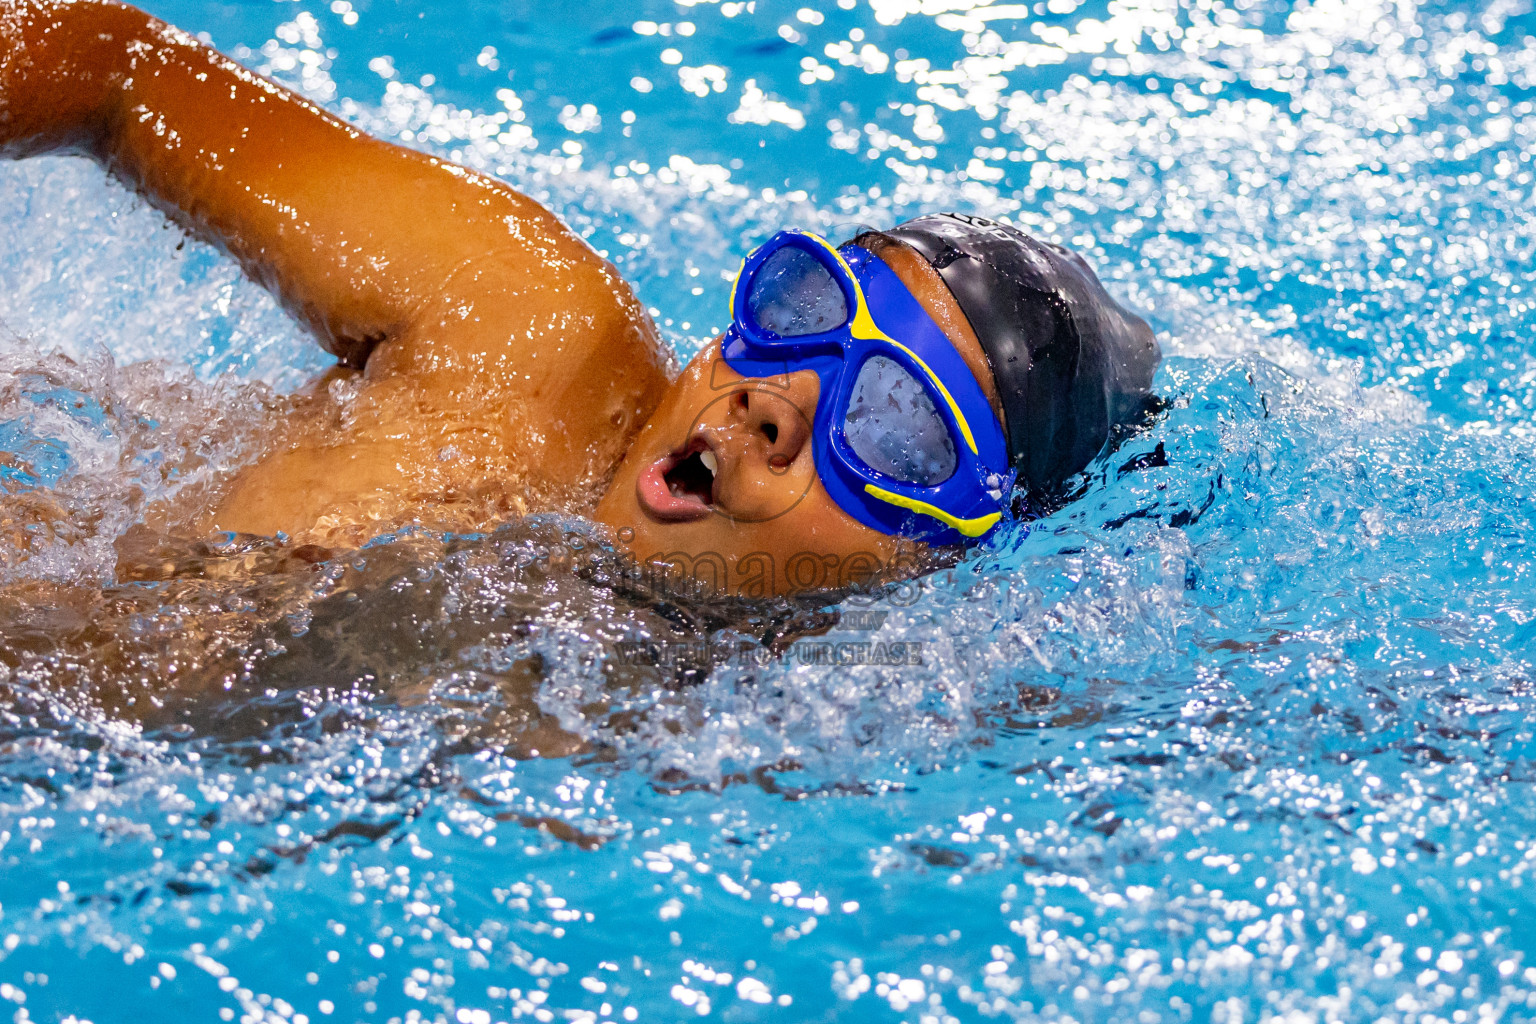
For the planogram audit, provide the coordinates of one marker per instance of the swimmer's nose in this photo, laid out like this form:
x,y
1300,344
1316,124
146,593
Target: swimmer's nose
x,y
776,426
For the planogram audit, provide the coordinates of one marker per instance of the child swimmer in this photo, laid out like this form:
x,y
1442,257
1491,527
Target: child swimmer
x,y
868,399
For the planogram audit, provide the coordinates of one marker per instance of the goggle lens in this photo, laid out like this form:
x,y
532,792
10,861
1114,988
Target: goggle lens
x,y
793,295
893,426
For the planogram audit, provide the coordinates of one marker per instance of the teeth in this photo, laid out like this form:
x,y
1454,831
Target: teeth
x,y
710,462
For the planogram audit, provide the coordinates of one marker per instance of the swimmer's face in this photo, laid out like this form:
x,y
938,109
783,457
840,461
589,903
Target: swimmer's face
x,y
721,484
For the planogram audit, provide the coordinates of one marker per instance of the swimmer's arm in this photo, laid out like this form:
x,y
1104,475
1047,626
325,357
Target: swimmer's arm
x,y
367,242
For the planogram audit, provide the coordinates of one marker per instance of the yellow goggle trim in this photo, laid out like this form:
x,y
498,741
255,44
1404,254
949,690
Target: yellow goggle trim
x,y
967,527
965,428
863,326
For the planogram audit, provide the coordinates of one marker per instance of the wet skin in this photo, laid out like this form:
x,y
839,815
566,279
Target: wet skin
x,y
499,363
768,515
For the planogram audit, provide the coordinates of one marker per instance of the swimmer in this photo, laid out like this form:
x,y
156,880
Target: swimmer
x,y
907,390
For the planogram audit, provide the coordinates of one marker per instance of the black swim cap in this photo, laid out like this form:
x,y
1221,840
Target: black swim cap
x,y
1070,363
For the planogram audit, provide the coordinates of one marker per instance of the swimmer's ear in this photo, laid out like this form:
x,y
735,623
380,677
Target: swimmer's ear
x,y
779,380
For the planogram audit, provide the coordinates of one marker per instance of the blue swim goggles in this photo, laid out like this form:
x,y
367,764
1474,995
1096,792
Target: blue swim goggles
x,y
904,438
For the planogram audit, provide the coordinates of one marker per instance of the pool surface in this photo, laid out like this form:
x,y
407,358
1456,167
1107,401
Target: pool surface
x,y
1245,734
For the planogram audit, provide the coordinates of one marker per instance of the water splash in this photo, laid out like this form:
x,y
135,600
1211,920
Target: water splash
x,y
1242,734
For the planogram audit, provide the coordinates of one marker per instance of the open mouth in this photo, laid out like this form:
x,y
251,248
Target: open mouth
x,y
680,486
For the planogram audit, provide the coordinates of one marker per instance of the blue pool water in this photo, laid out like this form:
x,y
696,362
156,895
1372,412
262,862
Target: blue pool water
x,y
1245,734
